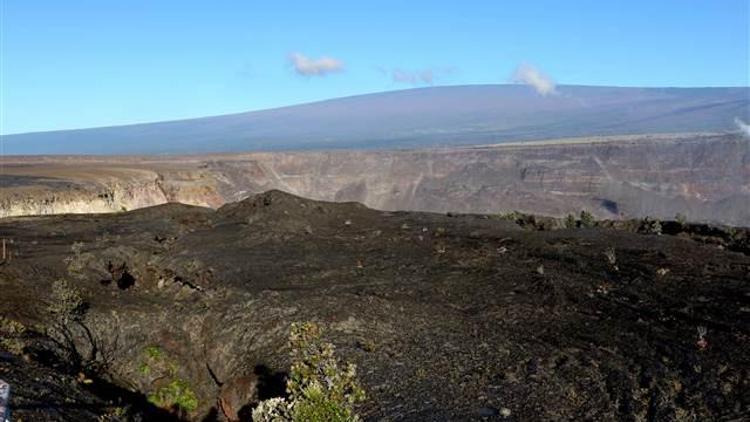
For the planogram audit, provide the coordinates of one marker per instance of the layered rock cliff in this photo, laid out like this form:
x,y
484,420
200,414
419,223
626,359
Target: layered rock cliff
x,y
703,177
98,188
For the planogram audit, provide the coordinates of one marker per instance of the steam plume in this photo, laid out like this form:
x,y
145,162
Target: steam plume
x,y
743,127
530,75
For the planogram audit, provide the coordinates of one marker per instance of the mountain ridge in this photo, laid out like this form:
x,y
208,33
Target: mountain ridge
x,y
413,118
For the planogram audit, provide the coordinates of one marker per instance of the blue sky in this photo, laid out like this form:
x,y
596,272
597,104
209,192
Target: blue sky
x,y
74,64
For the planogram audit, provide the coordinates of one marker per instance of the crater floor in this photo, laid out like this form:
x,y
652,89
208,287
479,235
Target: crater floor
x,y
447,316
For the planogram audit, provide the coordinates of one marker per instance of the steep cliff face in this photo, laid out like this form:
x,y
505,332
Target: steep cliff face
x,y
704,177
101,190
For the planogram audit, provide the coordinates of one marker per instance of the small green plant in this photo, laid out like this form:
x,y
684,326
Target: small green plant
x,y
116,413
68,308
277,409
732,232
570,221
11,333
680,218
511,216
611,256
12,327
587,219
78,260
316,405
177,394
651,226
319,387
314,364
66,302
153,352
152,360
144,369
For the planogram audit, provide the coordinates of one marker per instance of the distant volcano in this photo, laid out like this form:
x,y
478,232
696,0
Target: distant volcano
x,y
436,116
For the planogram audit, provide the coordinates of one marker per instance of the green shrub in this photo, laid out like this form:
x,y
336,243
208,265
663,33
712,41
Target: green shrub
x,y
651,226
570,222
587,219
153,352
153,361
66,302
78,260
319,388
316,380
67,308
511,216
176,394
11,333
315,405
11,327
277,409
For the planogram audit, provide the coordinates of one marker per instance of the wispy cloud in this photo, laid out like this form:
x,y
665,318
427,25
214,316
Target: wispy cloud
x,y
426,76
308,66
530,75
743,127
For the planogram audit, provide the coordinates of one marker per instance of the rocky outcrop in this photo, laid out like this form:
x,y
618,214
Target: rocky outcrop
x,y
112,198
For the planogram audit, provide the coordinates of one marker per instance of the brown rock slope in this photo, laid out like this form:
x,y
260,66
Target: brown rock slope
x,y
459,317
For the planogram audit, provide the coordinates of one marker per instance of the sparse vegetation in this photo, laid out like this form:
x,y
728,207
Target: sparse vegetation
x,y
319,388
175,394
68,308
11,335
276,409
609,253
651,226
571,222
702,343
78,260
116,413
732,232
511,216
153,352
66,302
587,219
80,347
680,218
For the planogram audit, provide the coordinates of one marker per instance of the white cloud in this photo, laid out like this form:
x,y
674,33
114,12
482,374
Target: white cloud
x,y
530,75
307,66
743,127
